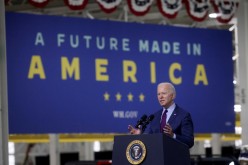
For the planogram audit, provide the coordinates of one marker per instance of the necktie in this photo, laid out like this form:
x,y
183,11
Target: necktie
x,y
163,121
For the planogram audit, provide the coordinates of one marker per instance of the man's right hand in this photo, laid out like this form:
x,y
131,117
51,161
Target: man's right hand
x,y
133,131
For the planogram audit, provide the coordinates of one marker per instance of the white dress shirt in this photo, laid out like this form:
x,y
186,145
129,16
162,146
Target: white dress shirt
x,y
169,113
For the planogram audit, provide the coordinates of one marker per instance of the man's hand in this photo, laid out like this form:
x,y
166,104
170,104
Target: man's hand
x,y
168,130
133,131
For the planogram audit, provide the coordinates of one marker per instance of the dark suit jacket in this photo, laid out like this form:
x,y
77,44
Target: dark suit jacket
x,y
181,123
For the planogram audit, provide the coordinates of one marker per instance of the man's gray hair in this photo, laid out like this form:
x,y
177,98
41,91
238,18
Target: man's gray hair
x,y
171,86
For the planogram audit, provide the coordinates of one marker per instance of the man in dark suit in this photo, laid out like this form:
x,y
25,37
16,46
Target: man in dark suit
x,y
171,119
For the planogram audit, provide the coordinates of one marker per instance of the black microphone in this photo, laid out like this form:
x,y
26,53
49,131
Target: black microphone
x,y
150,118
146,122
140,121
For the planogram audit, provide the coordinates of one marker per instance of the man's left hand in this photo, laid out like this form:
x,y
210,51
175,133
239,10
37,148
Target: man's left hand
x,y
168,130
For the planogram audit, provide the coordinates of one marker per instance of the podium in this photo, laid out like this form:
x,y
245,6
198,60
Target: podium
x,y
149,149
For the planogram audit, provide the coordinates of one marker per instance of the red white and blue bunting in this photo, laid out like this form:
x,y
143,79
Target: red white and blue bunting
x,y
39,3
169,8
198,10
139,7
226,9
108,6
76,4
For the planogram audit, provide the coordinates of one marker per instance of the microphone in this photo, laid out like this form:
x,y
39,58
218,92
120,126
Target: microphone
x,y
146,122
141,121
150,118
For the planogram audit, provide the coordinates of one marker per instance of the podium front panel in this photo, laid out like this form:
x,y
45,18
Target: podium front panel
x,y
160,150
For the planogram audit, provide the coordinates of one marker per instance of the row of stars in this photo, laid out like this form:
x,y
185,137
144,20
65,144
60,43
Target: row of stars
x,y
118,97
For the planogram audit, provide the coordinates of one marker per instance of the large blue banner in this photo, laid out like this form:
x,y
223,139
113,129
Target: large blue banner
x,y
75,75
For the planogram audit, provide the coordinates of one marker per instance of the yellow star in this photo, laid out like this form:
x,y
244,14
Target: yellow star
x,y
118,96
106,96
130,97
142,97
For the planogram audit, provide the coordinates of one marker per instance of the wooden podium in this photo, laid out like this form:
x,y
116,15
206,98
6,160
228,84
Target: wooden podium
x,y
149,149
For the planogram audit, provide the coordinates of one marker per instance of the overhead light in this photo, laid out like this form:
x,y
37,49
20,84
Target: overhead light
x,y
237,108
238,130
232,28
238,143
11,153
235,57
207,144
97,146
214,15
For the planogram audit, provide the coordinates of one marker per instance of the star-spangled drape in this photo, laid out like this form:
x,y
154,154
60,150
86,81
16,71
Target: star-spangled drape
x,y
198,10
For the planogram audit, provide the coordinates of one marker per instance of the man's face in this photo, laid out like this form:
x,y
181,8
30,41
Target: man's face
x,y
165,95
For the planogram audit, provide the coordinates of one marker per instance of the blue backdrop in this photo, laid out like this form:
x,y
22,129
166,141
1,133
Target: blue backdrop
x,y
75,75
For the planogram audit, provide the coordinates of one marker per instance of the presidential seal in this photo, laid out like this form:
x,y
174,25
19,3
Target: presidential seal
x,y
136,152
